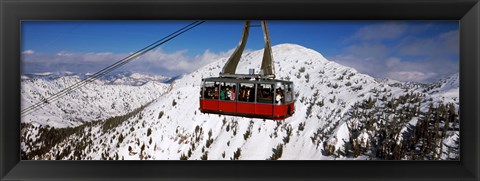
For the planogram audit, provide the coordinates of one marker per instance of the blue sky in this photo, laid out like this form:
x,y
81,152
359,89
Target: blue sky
x,y
403,50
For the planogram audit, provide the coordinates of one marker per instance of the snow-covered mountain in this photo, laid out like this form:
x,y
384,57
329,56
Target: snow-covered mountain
x,y
133,78
340,114
115,78
447,89
100,99
48,75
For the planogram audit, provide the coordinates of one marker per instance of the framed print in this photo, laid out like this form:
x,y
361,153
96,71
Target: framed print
x,y
328,88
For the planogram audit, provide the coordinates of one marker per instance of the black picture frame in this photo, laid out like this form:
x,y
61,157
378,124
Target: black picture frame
x,y
467,12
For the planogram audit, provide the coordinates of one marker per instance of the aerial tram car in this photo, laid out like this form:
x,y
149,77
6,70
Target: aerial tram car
x,y
248,95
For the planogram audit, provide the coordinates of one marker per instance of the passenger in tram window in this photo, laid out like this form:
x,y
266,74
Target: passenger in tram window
x,y
279,97
214,91
247,93
260,92
228,93
232,93
240,91
209,93
243,94
222,94
215,94
289,94
206,93
268,94
251,94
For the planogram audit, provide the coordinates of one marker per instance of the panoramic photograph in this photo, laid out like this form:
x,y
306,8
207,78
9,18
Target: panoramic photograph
x,y
240,90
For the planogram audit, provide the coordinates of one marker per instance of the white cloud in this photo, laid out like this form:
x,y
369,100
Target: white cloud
x,y
392,62
177,61
155,61
28,52
381,31
408,58
364,65
444,44
63,53
398,69
367,50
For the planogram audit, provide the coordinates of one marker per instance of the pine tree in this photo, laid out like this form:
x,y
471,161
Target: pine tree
x,y
149,131
236,154
183,157
278,151
204,156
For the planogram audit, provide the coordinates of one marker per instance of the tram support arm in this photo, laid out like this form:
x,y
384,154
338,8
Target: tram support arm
x,y
267,69
231,65
267,61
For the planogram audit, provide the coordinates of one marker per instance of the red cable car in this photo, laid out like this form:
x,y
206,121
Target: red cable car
x,y
248,95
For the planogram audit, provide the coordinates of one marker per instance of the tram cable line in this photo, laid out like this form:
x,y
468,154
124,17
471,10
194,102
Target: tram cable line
x,y
108,69
112,67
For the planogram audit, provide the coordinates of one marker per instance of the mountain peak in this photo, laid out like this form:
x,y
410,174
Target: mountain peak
x,y
289,48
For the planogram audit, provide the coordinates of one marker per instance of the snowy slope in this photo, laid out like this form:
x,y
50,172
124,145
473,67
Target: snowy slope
x,y
447,89
171,127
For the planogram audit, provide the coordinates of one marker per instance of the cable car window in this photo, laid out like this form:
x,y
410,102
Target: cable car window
x,y
265,93
228,91
289,93
211,90
246,92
